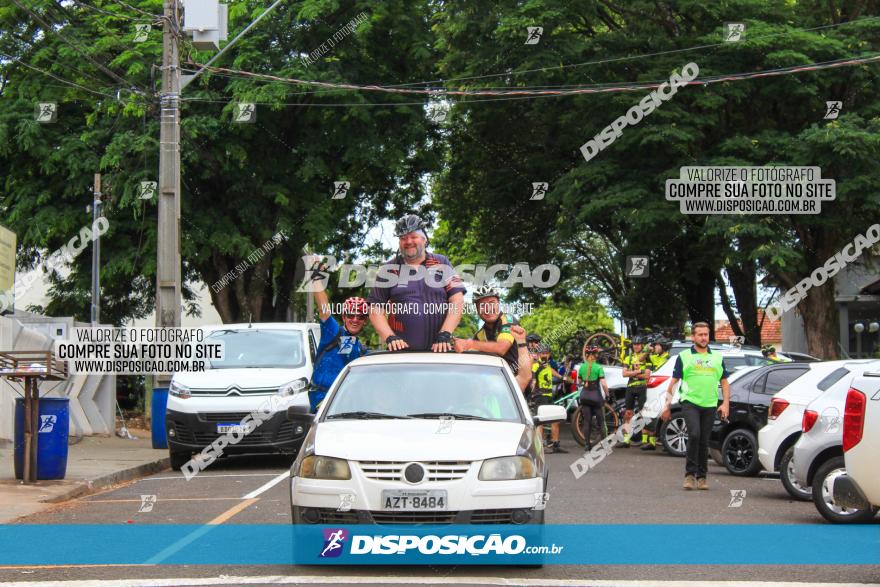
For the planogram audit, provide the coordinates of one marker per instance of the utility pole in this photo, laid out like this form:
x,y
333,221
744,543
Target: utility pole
x,y
168,271
96,253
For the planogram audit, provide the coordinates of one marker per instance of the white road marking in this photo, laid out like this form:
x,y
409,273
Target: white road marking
x,y
204,476
384,579
268,485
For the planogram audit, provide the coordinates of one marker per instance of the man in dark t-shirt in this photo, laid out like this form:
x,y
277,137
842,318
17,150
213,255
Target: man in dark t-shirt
x,y
423,293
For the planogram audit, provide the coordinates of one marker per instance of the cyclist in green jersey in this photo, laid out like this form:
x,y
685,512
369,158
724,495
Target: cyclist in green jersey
x,y
659,355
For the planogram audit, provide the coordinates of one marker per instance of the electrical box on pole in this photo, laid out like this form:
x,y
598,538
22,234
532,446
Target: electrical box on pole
x,y
207,22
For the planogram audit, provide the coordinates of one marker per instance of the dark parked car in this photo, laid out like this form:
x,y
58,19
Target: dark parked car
x,y
736,439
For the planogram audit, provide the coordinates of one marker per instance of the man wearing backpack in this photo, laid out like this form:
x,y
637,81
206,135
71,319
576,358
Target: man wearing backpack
x,y
338,346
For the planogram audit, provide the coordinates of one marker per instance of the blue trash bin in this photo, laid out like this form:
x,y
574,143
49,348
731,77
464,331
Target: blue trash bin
x,y
53,427
157,417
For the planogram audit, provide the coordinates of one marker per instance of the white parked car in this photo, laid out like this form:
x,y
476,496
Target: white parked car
x,y
423,438
266,366
776,440
860,486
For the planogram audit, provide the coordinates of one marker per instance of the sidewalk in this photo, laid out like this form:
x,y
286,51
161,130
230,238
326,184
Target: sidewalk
x,y
92,464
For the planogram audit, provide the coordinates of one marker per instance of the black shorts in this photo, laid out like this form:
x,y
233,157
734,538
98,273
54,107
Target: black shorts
x,y
543,400
635,397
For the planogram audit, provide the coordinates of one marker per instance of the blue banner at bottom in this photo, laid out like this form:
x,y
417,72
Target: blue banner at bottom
x,y
242,544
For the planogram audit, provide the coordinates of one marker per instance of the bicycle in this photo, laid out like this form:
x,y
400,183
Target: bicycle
x,y
611,419
613,349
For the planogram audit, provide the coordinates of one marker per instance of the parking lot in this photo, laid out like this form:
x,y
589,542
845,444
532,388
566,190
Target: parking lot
x,y
628,487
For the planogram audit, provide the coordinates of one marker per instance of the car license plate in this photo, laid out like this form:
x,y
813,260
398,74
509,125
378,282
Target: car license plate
x,y
407,499
234,428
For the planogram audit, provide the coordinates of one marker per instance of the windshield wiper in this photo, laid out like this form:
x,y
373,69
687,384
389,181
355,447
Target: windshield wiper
x,y
447,414
367,416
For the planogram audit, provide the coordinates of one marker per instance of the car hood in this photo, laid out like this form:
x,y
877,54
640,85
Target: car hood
x,y
417,440
243,378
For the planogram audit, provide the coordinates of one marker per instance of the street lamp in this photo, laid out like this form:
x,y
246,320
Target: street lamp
x,y
859,328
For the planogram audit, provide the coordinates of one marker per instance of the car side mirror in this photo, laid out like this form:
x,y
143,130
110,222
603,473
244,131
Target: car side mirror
x,y
547,414
299,412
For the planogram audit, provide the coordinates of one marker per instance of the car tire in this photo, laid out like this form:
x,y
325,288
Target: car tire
x,y
716,456
673,435
740,453
789,480
823,483
179,459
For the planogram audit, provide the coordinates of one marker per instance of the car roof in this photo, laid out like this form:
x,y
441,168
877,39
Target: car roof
x,y
410,357
262,326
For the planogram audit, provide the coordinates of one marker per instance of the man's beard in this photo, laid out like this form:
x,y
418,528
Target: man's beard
x,y
420,250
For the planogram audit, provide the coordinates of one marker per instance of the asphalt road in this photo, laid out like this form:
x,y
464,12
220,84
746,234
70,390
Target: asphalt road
x,y
628,487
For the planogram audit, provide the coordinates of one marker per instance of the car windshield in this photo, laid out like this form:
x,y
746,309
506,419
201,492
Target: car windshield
x,y
255,348
430,391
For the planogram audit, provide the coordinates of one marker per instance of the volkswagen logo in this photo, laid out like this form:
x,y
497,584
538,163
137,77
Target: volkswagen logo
x,y
414,473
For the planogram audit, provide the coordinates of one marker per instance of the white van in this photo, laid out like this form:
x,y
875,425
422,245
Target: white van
x,y
266,368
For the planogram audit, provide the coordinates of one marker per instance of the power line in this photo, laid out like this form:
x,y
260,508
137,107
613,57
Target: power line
x,y
586,89
55,77
113,14
634,57
50,29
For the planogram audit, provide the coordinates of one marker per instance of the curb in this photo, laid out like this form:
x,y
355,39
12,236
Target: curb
x,y
92,485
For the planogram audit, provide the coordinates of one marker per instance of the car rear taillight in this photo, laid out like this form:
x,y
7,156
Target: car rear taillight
x,y
777,406
810,418
656,380
853,418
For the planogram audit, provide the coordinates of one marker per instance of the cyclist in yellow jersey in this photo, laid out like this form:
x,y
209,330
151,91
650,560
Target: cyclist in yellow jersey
x,y
543,375
659,355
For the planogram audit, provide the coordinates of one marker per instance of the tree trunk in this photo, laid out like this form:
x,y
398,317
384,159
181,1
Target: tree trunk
x,y
820,321
743,277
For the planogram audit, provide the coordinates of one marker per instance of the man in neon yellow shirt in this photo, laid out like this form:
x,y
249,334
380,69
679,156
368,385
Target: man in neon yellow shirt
x,y
700,370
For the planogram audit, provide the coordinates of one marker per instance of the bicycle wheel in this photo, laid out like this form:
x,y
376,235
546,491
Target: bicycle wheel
x,y
577,429
612,420
608,347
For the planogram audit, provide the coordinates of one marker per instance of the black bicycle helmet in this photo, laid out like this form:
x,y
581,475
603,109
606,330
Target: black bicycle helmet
x,y
768,349
638,339
532,338
407,224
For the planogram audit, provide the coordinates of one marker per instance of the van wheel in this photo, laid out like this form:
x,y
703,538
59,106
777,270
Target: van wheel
x,y
179,459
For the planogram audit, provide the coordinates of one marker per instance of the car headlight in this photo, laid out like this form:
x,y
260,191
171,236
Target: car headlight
x,y
507,469
178,390
294,387
319,467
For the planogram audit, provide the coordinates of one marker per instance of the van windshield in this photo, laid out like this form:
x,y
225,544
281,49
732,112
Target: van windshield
x,y
258,348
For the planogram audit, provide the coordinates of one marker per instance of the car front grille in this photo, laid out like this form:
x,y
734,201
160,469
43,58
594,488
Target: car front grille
x,y
492,517
223,417
395,517
234,391
393,470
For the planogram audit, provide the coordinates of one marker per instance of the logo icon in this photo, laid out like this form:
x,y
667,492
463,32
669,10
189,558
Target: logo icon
x,y
737,496
736,341
832,109
333,540
317,273
346,500
245,112
346,344
148,190
636,266
534,35
541,500
735,31
438,112
539,190
141,32
147,503
446,424
47,423
340,188
46,112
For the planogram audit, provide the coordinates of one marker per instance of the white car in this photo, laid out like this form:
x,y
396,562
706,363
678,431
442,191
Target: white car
x,y
860,486
266,367
423,438
776,440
